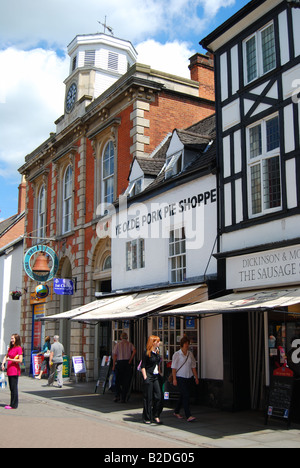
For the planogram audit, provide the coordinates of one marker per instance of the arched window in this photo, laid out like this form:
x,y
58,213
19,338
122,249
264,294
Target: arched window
x,y
108,170
67,200
107,263
41,220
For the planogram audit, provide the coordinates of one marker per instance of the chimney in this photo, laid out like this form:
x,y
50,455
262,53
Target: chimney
x,y
202,70
22,196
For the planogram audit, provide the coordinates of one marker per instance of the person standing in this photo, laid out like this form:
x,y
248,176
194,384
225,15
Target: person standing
x,y
123,355
56,362
46,353
183,371
13,358
150,368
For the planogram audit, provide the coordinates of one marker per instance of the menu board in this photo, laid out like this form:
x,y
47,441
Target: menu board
x,y
104,373
280,397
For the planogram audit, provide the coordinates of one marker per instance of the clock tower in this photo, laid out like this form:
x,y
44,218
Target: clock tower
x,y
97,61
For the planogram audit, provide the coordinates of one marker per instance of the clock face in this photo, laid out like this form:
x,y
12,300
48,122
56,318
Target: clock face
x,y
71,97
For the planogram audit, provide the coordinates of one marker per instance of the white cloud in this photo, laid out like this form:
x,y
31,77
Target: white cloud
x,y
55,22
32,94
171,57
32,74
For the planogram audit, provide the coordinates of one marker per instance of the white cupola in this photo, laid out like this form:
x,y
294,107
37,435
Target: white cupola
x,y
97,61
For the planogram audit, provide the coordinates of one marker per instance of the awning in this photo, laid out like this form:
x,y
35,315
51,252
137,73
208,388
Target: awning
x,y
243,301
70,314
139,304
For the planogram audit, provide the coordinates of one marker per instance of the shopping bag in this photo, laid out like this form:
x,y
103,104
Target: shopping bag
x,y
3,381
112,381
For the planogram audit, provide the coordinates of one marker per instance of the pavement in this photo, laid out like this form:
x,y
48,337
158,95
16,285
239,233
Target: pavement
x,y
76,416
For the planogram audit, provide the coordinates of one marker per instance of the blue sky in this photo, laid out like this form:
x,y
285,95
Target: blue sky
x,y
33,60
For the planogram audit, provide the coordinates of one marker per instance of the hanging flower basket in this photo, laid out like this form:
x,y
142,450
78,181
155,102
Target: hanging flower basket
x,y
16,295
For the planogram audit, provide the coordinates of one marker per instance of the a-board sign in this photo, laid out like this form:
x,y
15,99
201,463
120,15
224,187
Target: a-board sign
x,y
281,394
37,365
79,366
104,373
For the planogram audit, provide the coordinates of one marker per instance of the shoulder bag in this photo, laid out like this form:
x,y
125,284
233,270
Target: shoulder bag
x,y
170,379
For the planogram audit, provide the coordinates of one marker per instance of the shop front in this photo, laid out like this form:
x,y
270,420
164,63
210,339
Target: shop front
x,y
260,323
136,313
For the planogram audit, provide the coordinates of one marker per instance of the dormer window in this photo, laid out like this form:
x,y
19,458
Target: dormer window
x,y
174,165
135,187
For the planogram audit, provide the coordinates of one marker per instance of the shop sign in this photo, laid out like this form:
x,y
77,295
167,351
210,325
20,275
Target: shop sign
x,y
37,365
63,287
78,365
271,268
27,263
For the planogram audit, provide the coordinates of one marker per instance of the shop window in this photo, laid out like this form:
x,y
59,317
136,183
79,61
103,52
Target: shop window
x,y
264,174
118,327
171,330
284,329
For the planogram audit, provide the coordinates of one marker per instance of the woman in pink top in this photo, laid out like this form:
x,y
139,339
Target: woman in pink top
x,y
13,359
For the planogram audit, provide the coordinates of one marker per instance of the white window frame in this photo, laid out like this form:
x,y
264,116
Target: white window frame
x,y
174,165
135,254
260,161
135,187
41,221
67,200
109,178
259,54
177,255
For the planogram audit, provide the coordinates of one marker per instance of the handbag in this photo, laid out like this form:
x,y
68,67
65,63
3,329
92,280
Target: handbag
x,y
170,378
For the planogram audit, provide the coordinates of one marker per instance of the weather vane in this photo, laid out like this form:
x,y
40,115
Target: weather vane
x,y
109,29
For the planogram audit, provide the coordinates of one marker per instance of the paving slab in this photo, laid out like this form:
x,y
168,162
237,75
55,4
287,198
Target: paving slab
x,y
77,402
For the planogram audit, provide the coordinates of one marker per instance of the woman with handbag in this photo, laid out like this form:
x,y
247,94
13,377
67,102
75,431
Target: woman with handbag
x,y
183,370
150,367
13,359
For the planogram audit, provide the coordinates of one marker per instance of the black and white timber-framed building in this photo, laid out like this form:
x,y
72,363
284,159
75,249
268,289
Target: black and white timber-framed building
x,y
257,75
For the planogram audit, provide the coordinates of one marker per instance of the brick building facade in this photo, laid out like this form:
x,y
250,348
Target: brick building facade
x,y
86,164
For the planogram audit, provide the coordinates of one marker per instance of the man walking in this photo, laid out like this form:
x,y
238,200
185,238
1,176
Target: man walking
x,y
123,355
56,362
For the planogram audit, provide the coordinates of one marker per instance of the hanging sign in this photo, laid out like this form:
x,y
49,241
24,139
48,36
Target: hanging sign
x,y
63,287
27,266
